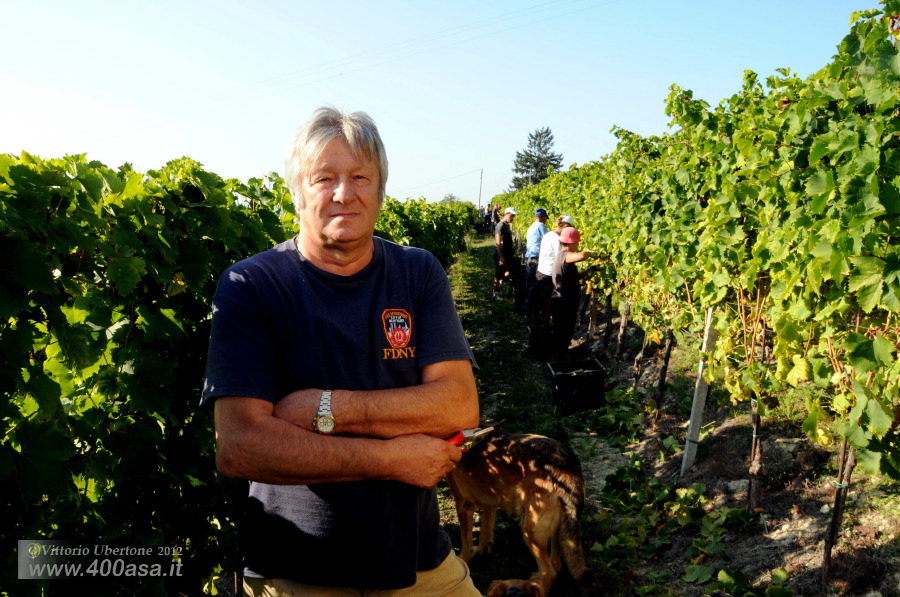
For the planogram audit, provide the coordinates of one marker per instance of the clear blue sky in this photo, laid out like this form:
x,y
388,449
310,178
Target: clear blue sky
x,y
455,87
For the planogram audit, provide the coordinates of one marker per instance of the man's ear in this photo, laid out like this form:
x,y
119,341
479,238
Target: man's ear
x,y
299,202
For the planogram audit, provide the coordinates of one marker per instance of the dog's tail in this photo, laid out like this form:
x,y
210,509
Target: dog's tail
x,y
571,548
570,530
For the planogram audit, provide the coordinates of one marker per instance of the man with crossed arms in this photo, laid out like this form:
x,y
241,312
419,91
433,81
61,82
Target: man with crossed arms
x,y
337,365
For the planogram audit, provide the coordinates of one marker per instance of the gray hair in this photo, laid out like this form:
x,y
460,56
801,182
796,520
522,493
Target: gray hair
x,y
328,124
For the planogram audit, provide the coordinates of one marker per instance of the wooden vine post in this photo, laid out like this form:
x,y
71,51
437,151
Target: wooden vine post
x,y
585,301
639,364
664,370
623,326
700,391
845,470
756,472
607,333
595,311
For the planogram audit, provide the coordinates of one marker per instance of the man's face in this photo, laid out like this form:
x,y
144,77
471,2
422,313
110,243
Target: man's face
x,y
510,217
341,202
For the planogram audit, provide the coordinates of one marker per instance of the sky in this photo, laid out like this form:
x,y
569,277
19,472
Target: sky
x,y
454,87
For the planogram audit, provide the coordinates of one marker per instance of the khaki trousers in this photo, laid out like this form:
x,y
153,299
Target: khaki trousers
x,y
450,579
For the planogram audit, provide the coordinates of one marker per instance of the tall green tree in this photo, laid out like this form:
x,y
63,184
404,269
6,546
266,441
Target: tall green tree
x,y
533,164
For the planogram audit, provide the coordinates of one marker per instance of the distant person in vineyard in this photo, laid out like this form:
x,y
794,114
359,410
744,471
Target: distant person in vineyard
x,y
337,365
533,237
495,214
544,274
486,223
566,290
508,267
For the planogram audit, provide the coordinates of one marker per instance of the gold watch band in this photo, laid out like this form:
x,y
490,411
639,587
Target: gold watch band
x,y
324,422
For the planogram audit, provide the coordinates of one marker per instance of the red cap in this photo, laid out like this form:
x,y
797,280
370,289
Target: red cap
x,y
569,235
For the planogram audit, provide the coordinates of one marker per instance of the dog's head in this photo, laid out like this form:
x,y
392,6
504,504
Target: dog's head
x,y
515,588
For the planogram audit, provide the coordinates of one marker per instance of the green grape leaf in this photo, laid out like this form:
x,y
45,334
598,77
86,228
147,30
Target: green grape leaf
x,y
125,273
869,297
697,573
45,391
820,148
861,352
820,189
810,424
800,372
880,418
821,372
868,271
780,576
25,265
869,461
45,451
883,350
890,299
853,433
890,196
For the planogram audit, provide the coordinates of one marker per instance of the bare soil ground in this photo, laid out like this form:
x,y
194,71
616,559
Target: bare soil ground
x,y
797,498
798,495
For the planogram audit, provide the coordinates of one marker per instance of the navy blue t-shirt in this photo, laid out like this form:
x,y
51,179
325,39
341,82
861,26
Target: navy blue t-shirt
x,y
279,325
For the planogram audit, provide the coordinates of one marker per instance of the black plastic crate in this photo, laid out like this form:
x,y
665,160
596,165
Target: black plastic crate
x,y
578,385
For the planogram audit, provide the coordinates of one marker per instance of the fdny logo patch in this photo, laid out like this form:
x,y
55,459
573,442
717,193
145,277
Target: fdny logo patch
x,y
397,327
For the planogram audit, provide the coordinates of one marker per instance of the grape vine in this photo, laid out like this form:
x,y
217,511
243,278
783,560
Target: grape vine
x,y
105,297
780,209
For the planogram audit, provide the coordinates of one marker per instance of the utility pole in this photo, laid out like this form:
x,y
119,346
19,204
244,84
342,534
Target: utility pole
x,y
480,180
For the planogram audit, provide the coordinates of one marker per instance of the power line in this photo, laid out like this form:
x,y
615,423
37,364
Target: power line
x,y
285,82
429,184
369,54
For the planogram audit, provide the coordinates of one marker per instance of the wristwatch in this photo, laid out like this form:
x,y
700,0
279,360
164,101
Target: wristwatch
x,y
324,421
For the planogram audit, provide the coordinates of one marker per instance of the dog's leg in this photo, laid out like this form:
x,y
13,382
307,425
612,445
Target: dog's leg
x,y
538,537
486,533
466,514
555,549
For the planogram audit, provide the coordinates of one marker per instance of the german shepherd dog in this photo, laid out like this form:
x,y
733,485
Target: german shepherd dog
x,y
539,481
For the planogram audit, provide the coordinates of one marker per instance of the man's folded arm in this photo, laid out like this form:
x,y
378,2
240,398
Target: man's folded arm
x,y
252,443
445,402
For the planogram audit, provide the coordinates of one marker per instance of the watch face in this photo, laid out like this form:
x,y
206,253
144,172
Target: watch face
x,y
325,424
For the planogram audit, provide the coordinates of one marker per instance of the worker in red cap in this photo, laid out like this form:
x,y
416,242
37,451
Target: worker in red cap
x,y
566,290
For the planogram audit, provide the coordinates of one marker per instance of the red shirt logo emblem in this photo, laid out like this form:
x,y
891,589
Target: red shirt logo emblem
x,y
397,327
